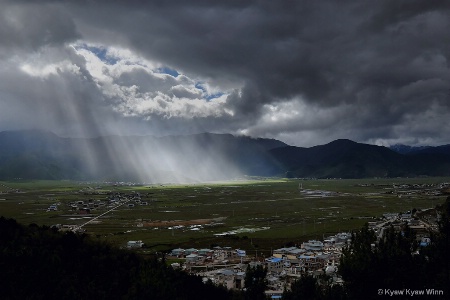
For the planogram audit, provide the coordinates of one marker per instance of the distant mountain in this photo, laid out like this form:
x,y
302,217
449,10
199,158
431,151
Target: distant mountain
x,y
444,149
203,157
405,149
347,159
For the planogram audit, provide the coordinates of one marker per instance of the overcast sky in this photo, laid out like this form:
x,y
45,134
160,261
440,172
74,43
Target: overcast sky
x,y
304,72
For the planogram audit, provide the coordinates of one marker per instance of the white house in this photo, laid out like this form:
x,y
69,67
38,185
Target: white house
x,y
135,244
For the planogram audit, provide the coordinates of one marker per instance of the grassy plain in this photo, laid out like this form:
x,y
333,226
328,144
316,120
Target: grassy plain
x,y
266,213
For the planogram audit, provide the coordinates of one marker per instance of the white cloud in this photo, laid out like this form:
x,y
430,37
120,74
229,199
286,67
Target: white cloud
x,y
138,88
50,69
296,115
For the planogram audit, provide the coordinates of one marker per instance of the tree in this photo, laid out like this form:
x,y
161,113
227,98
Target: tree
x,y
304,288
255,283
390,263
357,264
39,263
401,267
437,254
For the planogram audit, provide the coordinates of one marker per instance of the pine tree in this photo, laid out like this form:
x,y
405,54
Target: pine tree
x,y
255,283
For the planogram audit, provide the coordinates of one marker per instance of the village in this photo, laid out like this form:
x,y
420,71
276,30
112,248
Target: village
x,y
318,258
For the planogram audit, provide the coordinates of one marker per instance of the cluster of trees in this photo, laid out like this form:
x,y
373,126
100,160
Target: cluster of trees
x,y
255,283
396,262
40,263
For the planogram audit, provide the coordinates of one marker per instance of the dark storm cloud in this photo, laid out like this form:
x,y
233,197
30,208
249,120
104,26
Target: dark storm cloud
x,y
304,71
29,26
294,48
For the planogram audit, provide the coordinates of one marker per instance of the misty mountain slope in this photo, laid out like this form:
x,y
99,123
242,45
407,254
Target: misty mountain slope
x,y
250,154
193,158
38,154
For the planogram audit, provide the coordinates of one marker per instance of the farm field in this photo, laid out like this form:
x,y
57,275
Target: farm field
x,y
256,215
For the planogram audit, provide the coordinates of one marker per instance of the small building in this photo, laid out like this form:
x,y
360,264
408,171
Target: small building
x,y
274,265
406,217
296,251
206,252
274,294
425,241
343,237
230,278
292,259
285,250
190,251
177,252
223,253
84,211
134,244
313,245
192,258
310,262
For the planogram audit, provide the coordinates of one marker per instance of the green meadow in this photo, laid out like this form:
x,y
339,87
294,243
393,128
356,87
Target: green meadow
x,y
263,214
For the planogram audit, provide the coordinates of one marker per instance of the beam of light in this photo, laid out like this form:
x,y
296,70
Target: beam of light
x,y
149,159
96,85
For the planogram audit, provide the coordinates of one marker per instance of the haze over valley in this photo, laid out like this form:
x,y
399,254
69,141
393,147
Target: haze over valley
x,y
204,157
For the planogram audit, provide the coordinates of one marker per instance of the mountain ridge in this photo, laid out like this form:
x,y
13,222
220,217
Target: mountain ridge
x,y
204,157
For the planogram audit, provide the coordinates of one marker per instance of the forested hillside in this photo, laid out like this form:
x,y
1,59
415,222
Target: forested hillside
x,y
40,263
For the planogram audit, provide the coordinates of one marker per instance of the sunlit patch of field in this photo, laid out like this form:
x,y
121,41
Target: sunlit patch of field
x,y
290,211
